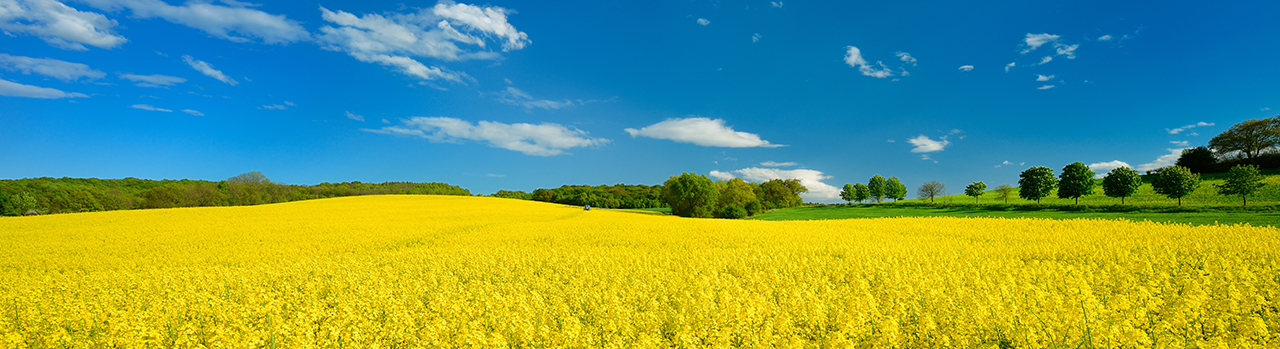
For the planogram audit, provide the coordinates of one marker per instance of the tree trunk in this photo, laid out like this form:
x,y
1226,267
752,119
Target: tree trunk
x,y
1077,201
1246,199
1121,201
1179,202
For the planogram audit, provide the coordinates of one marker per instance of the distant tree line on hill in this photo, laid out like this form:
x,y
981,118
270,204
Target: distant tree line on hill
x,y
67,195
1250,142
603,196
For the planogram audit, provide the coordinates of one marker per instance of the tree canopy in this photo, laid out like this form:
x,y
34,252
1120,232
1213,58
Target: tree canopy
x,y
1175,182
1004,192
877,187
691,195
861,192
975,190
894,189
1121,182
1036,183
1077,181
931,189
1249,138
1242,180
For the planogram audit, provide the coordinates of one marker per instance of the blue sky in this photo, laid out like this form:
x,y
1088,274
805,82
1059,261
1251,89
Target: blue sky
x,y
520,95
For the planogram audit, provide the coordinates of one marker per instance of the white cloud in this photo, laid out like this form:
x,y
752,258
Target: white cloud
x,y
1034,41
354,116
192,112
288,103
925,145
1105,37
1188,127
1010,65
892,141
61,70
966,68
777,164
1044,60
853,57
1067,50
149,108
1180,143
236,22
274,107
58,24
13,89
1005,163
154,80
906,58
755,37
433,33
701,131
777,4
703,21
810,179
1045,87
1264,109
1043,77
545,139
516,97
1100,169
207,69
1162,161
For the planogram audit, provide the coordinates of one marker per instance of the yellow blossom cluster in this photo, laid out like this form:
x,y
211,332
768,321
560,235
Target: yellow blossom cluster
x,y
442,271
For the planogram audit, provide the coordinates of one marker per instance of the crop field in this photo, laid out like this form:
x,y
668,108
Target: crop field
x,y
444,271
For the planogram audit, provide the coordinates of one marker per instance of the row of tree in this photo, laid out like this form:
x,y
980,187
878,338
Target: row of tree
x,y
695,195
606,196
877,188
65,195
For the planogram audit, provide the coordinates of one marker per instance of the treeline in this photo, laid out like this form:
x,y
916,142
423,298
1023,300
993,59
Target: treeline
x,y
66,195
1250,142
603,196
695,195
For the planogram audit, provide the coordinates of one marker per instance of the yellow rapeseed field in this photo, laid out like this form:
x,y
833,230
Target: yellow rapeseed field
x,y
440,271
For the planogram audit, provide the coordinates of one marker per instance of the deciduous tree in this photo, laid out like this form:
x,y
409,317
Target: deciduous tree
x,y
1077,181
894,189
1004,192
690,195
1250,137
848,193
1036,183
931,189
861,192
975,190
1175,182
877,187
1242,180
1121,182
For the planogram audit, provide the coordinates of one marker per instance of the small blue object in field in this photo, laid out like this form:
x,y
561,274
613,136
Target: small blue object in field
x,y
586,208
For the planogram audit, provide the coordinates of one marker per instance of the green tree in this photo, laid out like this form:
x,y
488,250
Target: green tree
x,y
1004,192
848,193
21,203
734,197
861,192
1036,183
1077,181
1121,182
931,189
1250,137
894,189
781,193
1175,182
975,190
1198,160
877,187
691,195
1242,180
255,178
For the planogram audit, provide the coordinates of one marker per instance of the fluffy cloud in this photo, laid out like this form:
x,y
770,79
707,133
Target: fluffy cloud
x,y
1045,87
148,107
61,70
547,139
1105,37
1044,60
703,22
1034,41
1044,77
236,21
1100,169
811,179
853,57
207,69
192,112
1005,163
906,58
777,4
354,116
777,164
58,24
1188,127
925,145
436,33
516,97
1009,66
1067,50
13,89
966,68
154,80
701,131
1162,161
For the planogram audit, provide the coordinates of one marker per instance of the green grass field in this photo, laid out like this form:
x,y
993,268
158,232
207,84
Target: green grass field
x,y
1207,195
